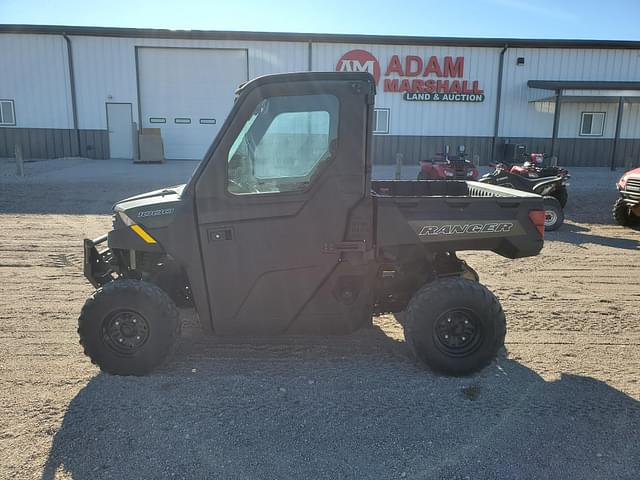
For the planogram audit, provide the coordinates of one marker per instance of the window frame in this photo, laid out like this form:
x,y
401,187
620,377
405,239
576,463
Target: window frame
x,y
13,111
314,174
374,130
582,116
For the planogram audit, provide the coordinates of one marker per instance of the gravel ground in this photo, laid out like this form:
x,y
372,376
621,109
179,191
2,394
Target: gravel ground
x,y
563,402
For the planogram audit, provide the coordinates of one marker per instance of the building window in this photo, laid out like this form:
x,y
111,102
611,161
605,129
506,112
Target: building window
x,y
207,121
183,120
381,121
7,113
157,120
592,124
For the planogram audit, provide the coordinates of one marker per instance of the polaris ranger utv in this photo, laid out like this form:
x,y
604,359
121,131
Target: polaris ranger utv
x,y
281,230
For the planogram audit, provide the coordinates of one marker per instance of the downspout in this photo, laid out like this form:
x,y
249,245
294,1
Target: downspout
x,y
496,124
72,84
556,122
616,136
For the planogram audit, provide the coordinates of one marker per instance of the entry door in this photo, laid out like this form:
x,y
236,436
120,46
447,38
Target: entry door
x,y
276,201
120,124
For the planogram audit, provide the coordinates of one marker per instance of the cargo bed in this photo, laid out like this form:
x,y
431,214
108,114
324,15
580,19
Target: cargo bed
x,y
457,215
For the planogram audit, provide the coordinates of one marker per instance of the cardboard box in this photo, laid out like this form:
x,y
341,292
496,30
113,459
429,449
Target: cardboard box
x,y
151,146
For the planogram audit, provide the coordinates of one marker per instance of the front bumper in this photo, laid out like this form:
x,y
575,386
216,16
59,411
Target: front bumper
x,y
631,192
97,263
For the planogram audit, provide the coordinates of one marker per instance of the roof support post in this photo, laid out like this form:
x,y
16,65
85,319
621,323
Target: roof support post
x,y
556,123
496,124
616,136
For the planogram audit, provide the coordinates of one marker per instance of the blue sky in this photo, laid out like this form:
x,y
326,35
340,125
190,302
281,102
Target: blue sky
x,y
585,19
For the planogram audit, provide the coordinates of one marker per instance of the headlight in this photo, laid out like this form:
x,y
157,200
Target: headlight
x,y
622,183
125,219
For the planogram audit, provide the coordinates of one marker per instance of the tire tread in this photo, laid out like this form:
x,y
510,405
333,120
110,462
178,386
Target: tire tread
x,y
465,289
147,290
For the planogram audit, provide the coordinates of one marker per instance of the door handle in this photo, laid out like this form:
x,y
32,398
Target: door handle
x,y
219,234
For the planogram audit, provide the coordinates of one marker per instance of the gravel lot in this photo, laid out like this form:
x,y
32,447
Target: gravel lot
x,y
564,402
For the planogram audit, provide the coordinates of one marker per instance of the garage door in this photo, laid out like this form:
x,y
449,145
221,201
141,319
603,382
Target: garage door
x,y
187,93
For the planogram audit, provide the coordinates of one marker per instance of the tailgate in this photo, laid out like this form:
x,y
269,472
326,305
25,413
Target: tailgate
x,y
475,217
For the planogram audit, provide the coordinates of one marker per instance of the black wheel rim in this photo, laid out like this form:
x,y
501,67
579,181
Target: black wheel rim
x,y
125,331
457,332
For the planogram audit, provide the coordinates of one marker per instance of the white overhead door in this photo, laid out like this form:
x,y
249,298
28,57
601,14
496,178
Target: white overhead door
x,y
188,93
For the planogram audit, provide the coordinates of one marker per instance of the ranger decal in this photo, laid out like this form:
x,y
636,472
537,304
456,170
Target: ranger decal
x,y
466,228
155,213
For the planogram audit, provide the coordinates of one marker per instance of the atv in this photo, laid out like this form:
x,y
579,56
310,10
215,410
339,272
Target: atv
x,y
626,210
281,230
446,167
534,167
553,189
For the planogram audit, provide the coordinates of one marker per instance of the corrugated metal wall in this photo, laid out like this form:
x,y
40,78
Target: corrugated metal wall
x,y
630,127
427,118
35,75
106,67
105,71
519,118
571,116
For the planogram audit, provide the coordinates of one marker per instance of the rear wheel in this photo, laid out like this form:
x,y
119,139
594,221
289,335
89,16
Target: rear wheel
x,y
454,326
128,327
623,215
553,214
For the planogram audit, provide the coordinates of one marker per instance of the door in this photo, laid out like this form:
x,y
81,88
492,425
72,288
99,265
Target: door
x,y
120,126
188,93
284,209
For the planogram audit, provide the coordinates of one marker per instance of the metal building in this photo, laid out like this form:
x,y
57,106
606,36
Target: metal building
x,y
77,91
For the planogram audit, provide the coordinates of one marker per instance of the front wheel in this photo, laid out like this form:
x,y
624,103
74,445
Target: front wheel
x,y
127,327
561,195
553,214
454,326
623,215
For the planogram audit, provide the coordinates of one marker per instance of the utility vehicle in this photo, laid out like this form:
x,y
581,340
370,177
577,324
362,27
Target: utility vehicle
x,y
553,189
448,167
281,230
626,210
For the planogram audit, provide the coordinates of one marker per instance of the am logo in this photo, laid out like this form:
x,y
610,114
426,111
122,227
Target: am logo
x,y
359,61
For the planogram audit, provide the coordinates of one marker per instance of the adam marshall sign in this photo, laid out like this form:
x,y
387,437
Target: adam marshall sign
x,y
419,79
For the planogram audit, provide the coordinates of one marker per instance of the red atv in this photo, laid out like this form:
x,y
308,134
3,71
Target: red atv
x,y
626,210
534,167
448,167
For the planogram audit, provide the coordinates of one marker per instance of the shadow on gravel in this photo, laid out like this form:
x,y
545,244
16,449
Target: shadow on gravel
x,y
348,407
578,235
